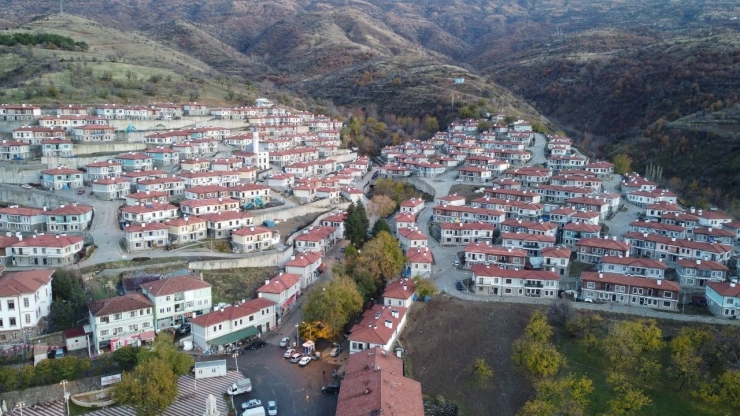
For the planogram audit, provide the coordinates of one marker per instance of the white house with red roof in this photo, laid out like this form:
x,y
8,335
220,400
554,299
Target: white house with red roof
x,y
35,135
318,239
147,197
15,112
634,266
134,161
420,261
282,289
600,168
21,219
57,148
248,193
171,185
475,174
713,235
62,178
26,298
412,237
591,250
574,231
413,205
281,181
143,236
206,191
103,170
660,228
672,249
695,274
404,220
399,293
589,204
723,299
94,133
485,253
69,218
630,290
110,189
233,323
208,206
464,233
46,250
163,156
120,321
497,281
14,150
252,238
380,326
353,194
176,299
533,244
556,260
152,212
308,265
336,221
513,225
221,224
454,200
713,218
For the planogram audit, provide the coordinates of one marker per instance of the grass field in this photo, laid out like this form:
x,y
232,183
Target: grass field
x,y
229,285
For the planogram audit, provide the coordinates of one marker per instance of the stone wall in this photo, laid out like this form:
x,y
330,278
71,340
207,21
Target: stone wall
x,y
282,213
270,258
107,147
31,197
420,185
185,122
46,394
20,173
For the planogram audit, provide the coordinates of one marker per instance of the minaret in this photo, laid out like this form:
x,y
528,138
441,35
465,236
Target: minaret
x,y
255,142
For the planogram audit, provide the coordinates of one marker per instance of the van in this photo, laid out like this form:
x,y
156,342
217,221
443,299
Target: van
x,y
241,386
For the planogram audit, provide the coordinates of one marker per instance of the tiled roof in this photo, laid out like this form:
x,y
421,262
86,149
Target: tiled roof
x,y
477,247
226,216
372,327
232,312
634,262
175,284
135,228
24,283
142,209
496,271
724,289
702,264
257,229
621,279
556,252
419,255
280,283
21,211
604,243
304,259
119,304
46,240
400,289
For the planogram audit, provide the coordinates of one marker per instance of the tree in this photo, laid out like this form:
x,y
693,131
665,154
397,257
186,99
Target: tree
x,y
629,401
164,348
381,257
70,304
379,226
539,359
560,396
480,372
627,340
126,357
686,357
136,388
362,215
382,206
354,229
622,164
333,304
588,329
425,287
729,383
538,329
560,311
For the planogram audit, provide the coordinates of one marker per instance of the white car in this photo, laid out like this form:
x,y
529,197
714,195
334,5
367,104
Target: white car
x,y
272,408
304,361
25,186
284,342
456,263
251,404
336,351
296,357
288,353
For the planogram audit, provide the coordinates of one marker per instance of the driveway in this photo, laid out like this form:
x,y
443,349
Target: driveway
x,y
295,389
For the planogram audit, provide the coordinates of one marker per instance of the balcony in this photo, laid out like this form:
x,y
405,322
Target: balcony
x,y
533,284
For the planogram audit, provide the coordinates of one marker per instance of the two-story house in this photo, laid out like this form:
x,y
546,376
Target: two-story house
x,y
413,205
233,323
630,290
282,289
62,178
591,250
318,239
221,224
162,156
420,262
103,170
252,238
208,206
556,260
135,161
171,185
307,265
186,229
47,250
533,244
485,253
120,321
153,212
497,281
412,237
695,274
57,148
177,299
465,233
634,266
399,293
111,189
25,302
94,133
723,299
143,236
380,326
69,218
575,231
22,219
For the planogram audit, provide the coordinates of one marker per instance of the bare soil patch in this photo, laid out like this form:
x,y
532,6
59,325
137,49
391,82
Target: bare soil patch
x,y
445,336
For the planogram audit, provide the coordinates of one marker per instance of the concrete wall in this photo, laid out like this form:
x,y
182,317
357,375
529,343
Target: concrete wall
x,y
270,258
31,197
109,147
420,185
17,174
9,126
317,221
344,156
282,213
185,122
46,394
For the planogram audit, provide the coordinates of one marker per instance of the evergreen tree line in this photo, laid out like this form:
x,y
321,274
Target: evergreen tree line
x,y
30,39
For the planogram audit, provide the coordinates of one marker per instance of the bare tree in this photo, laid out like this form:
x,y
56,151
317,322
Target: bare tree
x,y
560,311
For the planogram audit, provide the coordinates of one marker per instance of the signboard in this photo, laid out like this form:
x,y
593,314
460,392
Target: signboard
x,y
108,380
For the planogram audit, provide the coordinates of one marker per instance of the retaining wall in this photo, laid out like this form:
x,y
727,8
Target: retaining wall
x,y
46,394
421,185
107,147
270,258
20,173
282,213
31,197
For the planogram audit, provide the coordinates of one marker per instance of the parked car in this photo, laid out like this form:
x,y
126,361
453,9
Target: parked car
x,y
251,404
257,345
184,329
304,361
59,353
331,389
81,192
456,263
26,186
288,353
284,342
271,408
295,357
336,350
459,286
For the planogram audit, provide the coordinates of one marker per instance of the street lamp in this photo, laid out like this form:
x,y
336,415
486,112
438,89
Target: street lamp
x,y
297,329
66,396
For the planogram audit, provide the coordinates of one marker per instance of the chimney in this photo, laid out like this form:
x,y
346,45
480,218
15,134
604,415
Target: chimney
x,y
698,261
388,323
601,275
267,282
395,313
659,281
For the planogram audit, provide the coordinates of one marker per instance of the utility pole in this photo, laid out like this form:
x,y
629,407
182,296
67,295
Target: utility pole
x,y
61,7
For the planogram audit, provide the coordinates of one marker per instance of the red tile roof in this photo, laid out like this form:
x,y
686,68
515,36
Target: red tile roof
x,y
175,284
304,259
621,279
24,283
232,312
634,262
419,255
702,265
119,304
49,241
280,283
496,271
604,243
372,328
400,289
724,289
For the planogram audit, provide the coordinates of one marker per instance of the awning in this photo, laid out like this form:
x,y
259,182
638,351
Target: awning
x,y
247,332
147,336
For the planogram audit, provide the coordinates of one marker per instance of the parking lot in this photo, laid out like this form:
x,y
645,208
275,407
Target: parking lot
x,y
297,390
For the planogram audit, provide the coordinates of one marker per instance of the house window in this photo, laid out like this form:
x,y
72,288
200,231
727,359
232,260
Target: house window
x,y
133,327
730,301
103,332
132,314
590,285
25,302
667,294
11,305
12,322
251,318
667,304
117,316
28,318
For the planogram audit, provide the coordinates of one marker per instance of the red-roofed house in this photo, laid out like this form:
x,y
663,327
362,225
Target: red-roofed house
x,y
208,206
591,250
556,260
222,223
46,249
574,231
120,321
411,237
629,290
282,289
62,178
723,299
152,212
307,265
484,253
186,229
109,189
465,233
380,327
494,280
26,300
533,244
695,274
252,238
233,323
420,261
21,219
143,236
317,239
405,220
399,293
374,384
413,205
177,298
634,266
